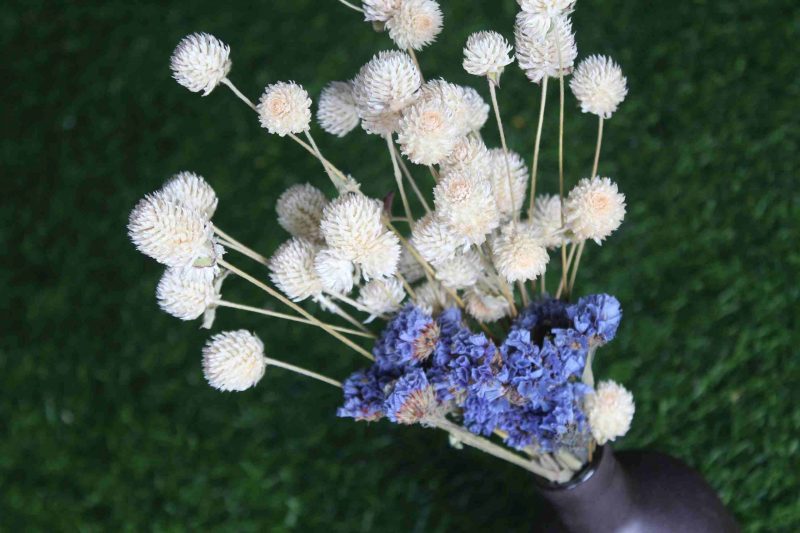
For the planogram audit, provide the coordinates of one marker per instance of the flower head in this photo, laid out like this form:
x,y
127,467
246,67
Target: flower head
x,y
234,360
381,296
336,273
299,210
384,87
408,339
336,110
610,411
518,253
432,298
415,24
468,108
465,202
508,203
597,317
549,8
461,271
599,85
427,132
468,155
200,62
379,10
547,220
487,53
292,269
549,53
409,267
185,296
594,209
412,399
363,395
284,108
486,307
434,241
190,190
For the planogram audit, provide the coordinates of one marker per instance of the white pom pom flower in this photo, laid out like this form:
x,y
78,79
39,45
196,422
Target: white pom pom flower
x,y
465,201
468,155
381,296
547,220
415,24
292,269
599,85
594,209
336,110
544,54
486,307
284,108
434,241
487,53
200,62
610,411
299,210
336,273
433,298
519,254
549,8
383,87
185,296
508,203
409,267
476,110
193,192
460,272
470,111
234,360
381,258
171,234
379,10
427,132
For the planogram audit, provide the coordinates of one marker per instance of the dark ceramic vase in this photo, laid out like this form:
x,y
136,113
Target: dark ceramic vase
x,y
636,492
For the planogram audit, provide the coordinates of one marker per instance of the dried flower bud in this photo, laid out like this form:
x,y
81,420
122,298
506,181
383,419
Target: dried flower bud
x,y
594,209
190,190
185,296
284,108
486,307
427,132
434,241
336,273
409,267
200,62
548,8
466,203
336,110
234,360
549,53
300,209
470,112
460,272
487,53
292,269
518,253
384,87
599,85
610,411
381,296
415,24
508,203
379,10
547,220
432,298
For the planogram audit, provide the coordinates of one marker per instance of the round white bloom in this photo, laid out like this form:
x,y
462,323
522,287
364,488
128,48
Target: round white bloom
x,y
460,272
610,411
594,209
434,241
486,307
468,155
427,132
200,62
292,269
432,298
599,85
518,253
386,85
381,258
336,273
487,53
379,10
547,220
185,296
545,54
300,209
415,24
499,175
284,108
475,108
382,124
549,8
409,267
191,191
381,296
470,112
336,110
465,202
171,234
234,360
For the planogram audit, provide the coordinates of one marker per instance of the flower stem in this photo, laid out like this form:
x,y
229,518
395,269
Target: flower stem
x,y
352,303
561,160
342,313
597,149
351,6
493,93
416,62
536,145
399,178
239,94
241,248
412,181
303,371
575,268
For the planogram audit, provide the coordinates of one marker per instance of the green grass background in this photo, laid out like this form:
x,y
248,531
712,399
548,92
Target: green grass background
x,y
105,420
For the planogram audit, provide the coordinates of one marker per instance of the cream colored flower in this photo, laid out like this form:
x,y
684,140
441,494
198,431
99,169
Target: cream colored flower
x,y
191,191
381,296
549,8
466,203
550,54
460,272
594,209
415,24
508,204
185,296
292,269
379,10
336,273
518,253
386,85
427,132
336,110
486,54
200,62
234,360
284,108
547,220
381,257
299,210
468,108
468,155
434,241
486,307
610,411
599,85
408,267
432,298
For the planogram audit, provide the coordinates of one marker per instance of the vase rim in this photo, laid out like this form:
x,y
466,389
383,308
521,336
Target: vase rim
x,y
583,475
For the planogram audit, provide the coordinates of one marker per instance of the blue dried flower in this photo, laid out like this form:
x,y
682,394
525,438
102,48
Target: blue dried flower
x,y
409,338
412,399
363,395
596,316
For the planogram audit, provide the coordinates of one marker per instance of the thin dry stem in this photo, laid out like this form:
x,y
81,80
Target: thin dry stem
x,y
536,145
303,372
399,178
493,93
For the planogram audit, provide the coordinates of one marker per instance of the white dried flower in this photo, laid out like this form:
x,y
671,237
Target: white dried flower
x,y
200,62
352,226
476,110
433,239
547,220
518,253
383,124
460,272
379,10
610,411
549,8
465,201
336,273
384,87
415,24
468,155
594,209
299,210
487,53
427,132
284,108
599,85
545,54
336,110
432,298
469,110
191,191
381,296
234,360
409,267
183,295
486,307
292,269
171,234
499,175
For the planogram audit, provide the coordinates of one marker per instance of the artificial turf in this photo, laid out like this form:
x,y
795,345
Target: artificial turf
x,y
106,421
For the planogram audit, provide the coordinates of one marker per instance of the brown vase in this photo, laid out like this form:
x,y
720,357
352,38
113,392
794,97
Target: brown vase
x,y
635,492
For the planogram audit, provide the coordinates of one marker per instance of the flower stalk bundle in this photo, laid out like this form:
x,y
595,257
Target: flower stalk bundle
x,y
471,340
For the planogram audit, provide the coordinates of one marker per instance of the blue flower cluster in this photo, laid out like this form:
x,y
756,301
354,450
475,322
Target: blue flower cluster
x,y
528,389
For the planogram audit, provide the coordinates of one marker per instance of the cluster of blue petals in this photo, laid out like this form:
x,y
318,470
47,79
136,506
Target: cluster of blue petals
x,y
529,387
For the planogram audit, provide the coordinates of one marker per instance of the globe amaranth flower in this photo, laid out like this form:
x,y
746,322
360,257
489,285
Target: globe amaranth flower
x,y
547,220
594,209
292,269
548,54
284,109
470,112
415,24
466,203
599,85
433,239
519,254
383,87
486,54
381,296
185,296
610,411
484,306
461,271
299,210
412,399
234,360
336,110
549,8
508,202
408,339
427,132
336,273
200,62
597,317
192,191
